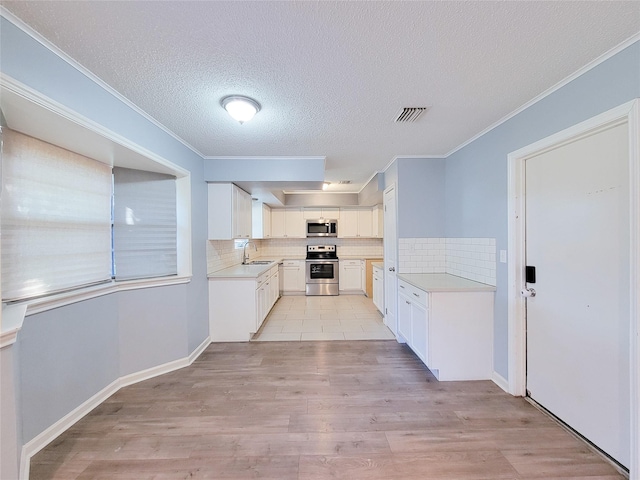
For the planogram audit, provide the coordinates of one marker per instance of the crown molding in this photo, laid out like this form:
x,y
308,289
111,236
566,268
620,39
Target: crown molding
x,y
91,76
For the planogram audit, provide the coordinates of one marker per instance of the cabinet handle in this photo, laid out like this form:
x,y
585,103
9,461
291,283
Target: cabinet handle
x,y
408,303
401,286
416,295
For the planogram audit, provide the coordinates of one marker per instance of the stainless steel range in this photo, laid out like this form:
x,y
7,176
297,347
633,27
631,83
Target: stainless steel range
x,y
322,270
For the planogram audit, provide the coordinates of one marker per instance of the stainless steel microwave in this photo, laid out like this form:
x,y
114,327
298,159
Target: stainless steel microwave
x,y
322,228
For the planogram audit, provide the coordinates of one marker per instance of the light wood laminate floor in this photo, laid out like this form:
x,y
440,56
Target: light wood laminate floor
x,y
342,317
315,410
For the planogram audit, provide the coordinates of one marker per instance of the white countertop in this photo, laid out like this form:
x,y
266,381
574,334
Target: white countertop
x,y
244,271
444,282
377,264
359,257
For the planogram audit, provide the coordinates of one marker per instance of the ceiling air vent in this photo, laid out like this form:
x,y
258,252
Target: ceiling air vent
x,y
344,182
410,114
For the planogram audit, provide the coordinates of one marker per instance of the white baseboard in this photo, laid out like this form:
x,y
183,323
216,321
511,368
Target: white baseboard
x,y
152,372
199,349
500,381
54,431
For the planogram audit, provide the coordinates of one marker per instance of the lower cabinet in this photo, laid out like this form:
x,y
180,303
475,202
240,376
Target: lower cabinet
x,y
413,319
451,332
378,289
239,306
350,276
292,277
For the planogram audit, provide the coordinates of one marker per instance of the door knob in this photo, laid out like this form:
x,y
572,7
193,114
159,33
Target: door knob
x,y
528,292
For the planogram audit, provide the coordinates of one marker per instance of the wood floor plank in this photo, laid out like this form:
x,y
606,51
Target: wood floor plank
x,y
315,410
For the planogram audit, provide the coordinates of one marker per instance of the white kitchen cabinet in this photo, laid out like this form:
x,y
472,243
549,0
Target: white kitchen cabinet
x,y
330,213
261,220
229,212
287,223
239,305
348,224
350,275
292,277
355,223
267,293
413,319
378,288
450,331
365,223
404,317
377,218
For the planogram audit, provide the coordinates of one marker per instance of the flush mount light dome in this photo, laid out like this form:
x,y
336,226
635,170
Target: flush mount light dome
x,y
240,108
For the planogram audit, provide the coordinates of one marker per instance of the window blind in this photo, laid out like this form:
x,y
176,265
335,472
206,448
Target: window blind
x,y
145,224
55,216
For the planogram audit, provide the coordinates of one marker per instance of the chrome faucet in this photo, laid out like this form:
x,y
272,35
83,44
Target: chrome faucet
x,y
245,257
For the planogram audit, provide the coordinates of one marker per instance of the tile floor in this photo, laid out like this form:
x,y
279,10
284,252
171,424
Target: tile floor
x,y
342,317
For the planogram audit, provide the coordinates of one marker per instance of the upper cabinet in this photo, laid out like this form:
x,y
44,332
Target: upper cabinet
x,y
358,222
229,212
261,220
330,213
287,223
377,217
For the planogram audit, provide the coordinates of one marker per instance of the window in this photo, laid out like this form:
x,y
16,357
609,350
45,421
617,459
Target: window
x,y
59,231
144,224
56,218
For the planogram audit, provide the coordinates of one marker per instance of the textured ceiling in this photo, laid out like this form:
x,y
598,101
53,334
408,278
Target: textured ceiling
x,y
331,76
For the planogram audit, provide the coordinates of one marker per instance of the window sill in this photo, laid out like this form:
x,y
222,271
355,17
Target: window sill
x,y
13,315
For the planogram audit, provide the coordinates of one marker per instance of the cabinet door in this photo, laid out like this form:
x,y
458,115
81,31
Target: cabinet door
x,y
378,291
266,221
274,284
348,224
241,213
350,275
220,211
278,223
365,222
293,276
301,282
295,226
404,317
377,221
420,331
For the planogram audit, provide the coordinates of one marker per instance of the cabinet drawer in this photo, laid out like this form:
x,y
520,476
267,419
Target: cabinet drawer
x,y
262,278
415,294
291,263
351,263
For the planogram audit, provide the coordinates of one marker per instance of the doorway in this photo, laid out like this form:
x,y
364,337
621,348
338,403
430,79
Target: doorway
x,y
586,273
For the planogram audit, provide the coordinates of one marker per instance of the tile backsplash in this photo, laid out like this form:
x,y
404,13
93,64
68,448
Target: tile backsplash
x,y
222,253
472,258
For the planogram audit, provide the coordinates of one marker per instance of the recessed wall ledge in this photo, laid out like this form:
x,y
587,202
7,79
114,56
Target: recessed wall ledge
x,y
12,318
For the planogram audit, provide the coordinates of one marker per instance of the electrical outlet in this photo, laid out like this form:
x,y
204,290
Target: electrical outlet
x,y
503,256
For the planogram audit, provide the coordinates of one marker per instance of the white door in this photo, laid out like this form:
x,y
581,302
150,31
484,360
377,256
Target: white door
x,y
577,237
390,259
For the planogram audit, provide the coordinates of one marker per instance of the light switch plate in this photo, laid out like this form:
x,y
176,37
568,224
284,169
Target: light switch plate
x,y
503,256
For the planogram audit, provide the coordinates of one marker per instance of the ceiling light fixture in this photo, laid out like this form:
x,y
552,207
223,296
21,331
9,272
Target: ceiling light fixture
x,y
325,185
240,108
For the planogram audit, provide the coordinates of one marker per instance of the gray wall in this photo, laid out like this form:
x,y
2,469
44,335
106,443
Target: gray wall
x,y
473,195
66,355
476,176
421,197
